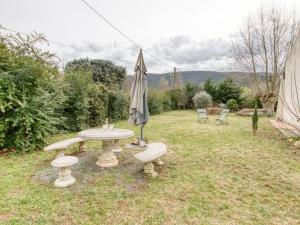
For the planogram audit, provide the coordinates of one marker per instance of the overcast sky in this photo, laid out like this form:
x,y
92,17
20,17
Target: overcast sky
x,y
188,34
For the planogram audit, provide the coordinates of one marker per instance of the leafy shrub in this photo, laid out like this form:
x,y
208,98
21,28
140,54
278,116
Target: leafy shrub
x,y
77,105
232,104
166,101
202,100
98,104
155,103
158,101
118,105
31,95
178,98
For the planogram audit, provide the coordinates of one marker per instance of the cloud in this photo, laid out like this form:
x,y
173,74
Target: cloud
x,y
184,50
178,51
121,55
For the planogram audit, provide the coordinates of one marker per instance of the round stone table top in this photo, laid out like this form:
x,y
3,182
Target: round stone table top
x,y
64,161
106,134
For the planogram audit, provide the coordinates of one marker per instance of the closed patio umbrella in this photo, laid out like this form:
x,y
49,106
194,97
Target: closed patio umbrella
x,y
138,112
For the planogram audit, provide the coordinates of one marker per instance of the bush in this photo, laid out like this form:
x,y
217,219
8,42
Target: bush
x,y
77,105
202,100
232,105
98,104
31,97
158,101
178,98
166,101
155,103
118,105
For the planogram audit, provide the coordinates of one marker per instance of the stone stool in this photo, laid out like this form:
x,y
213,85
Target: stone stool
x,y
65,178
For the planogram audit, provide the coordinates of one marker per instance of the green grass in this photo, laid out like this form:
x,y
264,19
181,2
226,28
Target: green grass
x,y
212,175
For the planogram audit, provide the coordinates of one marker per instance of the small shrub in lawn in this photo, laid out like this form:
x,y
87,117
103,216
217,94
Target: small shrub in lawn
x,y
202,100
232,105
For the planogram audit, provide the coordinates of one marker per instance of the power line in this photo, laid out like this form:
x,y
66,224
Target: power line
x,y
68,46
107,21
120,32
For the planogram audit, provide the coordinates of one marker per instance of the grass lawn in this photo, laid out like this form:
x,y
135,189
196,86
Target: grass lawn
x,y
212,175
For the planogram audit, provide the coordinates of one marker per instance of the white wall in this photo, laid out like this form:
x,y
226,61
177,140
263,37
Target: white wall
x,y
289,95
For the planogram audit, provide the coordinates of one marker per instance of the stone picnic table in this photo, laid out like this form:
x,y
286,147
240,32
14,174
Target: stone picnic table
x,y
110,142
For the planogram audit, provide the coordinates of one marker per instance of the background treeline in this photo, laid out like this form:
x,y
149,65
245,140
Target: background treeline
x,y
37,100
225,92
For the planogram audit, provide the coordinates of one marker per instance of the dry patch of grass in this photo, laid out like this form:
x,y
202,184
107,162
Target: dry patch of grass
x,y
212,175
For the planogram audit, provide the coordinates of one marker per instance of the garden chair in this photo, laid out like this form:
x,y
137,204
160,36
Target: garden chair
x,y
202,116
223,117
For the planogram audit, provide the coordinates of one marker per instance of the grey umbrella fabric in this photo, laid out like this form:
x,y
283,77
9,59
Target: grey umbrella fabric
x,y
138,112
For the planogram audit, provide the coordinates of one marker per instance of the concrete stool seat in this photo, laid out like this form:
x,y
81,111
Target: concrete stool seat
x,y
65,178
152,155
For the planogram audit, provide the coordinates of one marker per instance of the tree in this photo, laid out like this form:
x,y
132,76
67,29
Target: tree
x,y
105,72
190,90
211,89
261,49
226,90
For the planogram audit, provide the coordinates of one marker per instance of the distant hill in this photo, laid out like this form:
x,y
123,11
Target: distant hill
x,y
191,77
196,77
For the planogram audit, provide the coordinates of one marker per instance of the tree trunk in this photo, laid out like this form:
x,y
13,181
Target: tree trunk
x,y
268,102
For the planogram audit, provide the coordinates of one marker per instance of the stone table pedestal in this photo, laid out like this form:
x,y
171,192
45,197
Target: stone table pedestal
x,y
107,157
